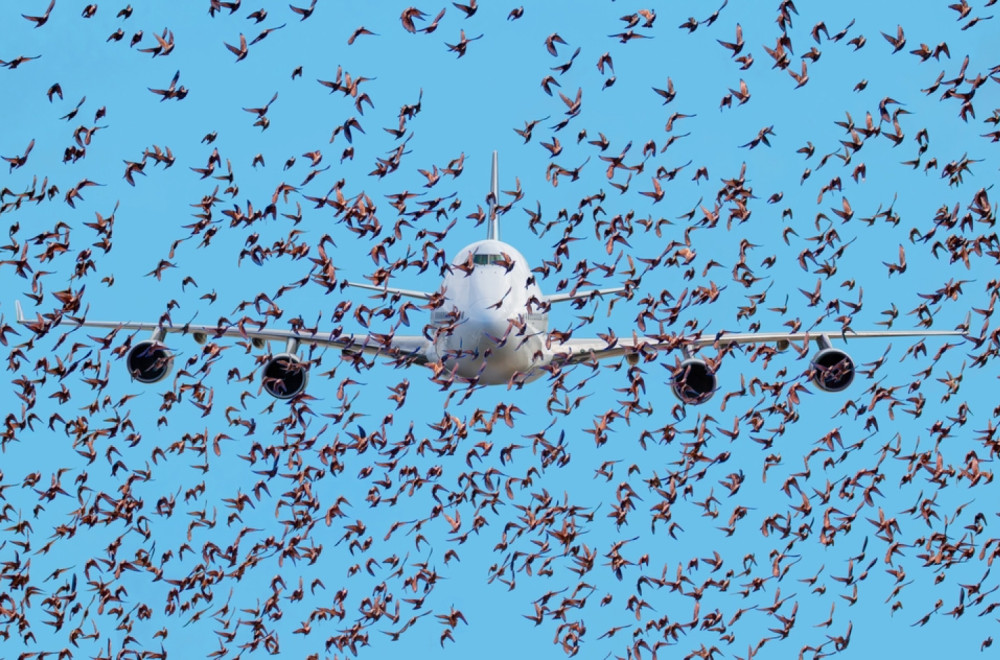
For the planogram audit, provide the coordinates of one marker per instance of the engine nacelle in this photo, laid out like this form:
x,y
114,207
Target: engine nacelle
x,y
693,381
284,376
832,370
149,361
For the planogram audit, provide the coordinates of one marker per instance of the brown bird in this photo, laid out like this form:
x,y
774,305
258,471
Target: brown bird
x,y
260,112
656,194
304,12
39,21
17,61
898,41
554,148
551,41
164,43
801,78
172,92
240,52
468,9
19,161
529,126
263,34
735,46
357,33
897,267
629,35
463,43
408,16
433,25
668,94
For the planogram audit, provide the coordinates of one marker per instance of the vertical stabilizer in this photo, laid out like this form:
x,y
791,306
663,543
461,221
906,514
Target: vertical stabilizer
x,y
493,230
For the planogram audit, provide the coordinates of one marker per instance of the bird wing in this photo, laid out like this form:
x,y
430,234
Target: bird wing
x,y
577,350
413,348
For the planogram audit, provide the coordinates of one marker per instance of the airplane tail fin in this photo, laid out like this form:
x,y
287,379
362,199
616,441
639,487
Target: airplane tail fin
x,y
493,229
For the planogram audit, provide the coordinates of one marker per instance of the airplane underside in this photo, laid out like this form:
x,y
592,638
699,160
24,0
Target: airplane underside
x,y
492,352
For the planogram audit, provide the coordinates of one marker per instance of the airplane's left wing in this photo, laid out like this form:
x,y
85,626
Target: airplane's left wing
x,y
694,380
149,360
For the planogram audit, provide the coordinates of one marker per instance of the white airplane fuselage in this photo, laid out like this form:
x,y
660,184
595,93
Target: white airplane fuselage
x,y
493,323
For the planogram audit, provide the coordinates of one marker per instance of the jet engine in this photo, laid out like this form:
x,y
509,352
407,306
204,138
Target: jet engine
x,y
149,361
693,382
284,375
832,370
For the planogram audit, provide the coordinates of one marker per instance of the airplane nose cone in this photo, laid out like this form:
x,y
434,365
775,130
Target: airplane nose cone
x,y
491,322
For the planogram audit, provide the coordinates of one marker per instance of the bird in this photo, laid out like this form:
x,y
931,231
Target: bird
x,y
304,12
164,43
469,10
19,161
667,94
39,21
357,33
241,51
407,18
17,61
463,43
897,41
735,46
173,91
551,41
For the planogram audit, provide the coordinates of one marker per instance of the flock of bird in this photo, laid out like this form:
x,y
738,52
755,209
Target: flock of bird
x,y
129,559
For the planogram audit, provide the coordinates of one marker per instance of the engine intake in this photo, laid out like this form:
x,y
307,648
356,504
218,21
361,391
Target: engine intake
x,y
832,370
284,376
693,382
149,361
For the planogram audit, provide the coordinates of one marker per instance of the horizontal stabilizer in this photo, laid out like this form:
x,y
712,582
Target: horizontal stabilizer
x,y
393,291
578,295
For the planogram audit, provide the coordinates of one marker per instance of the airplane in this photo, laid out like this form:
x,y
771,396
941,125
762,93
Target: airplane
x,y
488,325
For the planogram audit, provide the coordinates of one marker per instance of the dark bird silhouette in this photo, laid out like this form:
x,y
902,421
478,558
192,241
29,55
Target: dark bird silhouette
x,y
240,52
19,161
304,12
463,43
173,91
39,21
469,10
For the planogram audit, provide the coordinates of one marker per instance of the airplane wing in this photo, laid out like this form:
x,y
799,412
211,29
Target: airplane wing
x,y
403,347
574,351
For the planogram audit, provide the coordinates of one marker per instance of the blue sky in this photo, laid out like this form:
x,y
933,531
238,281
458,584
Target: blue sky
x,y
828,445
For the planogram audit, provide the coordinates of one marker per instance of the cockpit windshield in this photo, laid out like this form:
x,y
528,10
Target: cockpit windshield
x,y
483,259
